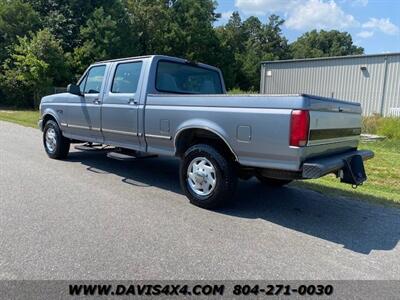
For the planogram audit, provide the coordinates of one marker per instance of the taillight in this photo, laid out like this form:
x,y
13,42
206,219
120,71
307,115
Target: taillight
x,y
299,126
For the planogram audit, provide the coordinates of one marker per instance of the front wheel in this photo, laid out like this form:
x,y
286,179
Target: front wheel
x,y
207,178
55,144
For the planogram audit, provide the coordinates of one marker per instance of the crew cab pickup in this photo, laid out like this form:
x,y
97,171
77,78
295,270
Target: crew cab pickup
x,y
159,105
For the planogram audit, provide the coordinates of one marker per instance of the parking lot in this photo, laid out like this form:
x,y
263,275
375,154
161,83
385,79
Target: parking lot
x,y
92,217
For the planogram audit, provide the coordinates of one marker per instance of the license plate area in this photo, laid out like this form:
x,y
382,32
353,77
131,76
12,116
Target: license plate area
x,y
353,171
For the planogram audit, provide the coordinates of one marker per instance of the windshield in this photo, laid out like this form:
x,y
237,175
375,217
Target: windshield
x,y
180,78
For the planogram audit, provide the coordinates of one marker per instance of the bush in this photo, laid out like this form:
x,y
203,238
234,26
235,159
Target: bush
x,y
370,124
236,91
389,127
36,64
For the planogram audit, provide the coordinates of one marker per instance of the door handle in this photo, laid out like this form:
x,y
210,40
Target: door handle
x,y
133,101
96,101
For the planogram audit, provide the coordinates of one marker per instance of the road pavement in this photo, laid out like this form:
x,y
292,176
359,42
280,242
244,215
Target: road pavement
x,y
91,217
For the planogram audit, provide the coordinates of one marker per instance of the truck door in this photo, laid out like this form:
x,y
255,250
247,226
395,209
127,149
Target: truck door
x,y
120,105
84,112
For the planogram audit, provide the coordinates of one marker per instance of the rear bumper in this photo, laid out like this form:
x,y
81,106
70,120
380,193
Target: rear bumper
x,y
318,167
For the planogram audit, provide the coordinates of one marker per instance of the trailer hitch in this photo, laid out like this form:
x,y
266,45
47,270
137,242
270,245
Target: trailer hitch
x,y
353,171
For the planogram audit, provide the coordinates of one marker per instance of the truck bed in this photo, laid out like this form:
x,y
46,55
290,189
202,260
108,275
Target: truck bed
x,y
256,126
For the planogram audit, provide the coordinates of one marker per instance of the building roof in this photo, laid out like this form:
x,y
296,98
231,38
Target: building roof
x,y
328,58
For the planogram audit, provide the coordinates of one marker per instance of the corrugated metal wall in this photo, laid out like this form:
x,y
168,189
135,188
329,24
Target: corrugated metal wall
x,y
357,78
391,98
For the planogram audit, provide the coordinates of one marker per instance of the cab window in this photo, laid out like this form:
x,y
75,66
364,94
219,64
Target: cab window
x,y
82,84
181,78
93,80
126,77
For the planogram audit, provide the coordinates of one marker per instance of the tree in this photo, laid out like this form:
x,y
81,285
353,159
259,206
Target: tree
x,y
60,19
192,34
262,42
324,43
17,19
232,43
36,64
246,44
150,23
65,18
182,28
100,40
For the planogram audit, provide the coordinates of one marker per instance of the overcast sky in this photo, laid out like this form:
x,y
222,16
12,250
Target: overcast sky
x,y
374,24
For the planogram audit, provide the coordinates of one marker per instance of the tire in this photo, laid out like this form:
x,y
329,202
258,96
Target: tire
x,y
272,181
55,144
214,181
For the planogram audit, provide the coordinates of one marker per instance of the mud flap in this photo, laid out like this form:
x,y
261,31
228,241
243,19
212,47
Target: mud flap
x,y
353,171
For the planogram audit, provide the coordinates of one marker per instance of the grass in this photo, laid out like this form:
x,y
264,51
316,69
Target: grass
x,y
27,118
383,171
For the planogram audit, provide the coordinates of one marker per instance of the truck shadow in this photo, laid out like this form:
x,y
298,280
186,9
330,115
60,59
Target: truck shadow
x,y
358,225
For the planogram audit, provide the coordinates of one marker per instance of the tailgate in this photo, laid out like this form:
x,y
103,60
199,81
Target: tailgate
x,y
334,125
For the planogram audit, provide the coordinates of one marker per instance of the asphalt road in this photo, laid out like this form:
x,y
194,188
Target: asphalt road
x,y
91,217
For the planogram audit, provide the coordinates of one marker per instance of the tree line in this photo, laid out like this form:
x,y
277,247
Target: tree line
x,y
46,43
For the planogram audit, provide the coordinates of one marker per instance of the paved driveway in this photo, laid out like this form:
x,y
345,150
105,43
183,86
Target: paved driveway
x,y
91,217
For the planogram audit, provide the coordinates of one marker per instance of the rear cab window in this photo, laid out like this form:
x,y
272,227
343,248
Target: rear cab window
x,y
183,78
126,77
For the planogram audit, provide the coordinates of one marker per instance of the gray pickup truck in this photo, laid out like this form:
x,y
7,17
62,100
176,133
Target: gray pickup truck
x,y
160,105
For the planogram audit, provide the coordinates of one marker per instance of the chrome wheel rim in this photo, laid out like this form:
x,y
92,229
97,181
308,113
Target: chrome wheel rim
x,y
51,141
201,176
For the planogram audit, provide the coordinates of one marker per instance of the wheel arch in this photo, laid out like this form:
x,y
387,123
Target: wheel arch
x,y
189,135
50,115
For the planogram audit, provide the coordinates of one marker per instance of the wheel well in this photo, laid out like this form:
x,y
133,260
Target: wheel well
x,y
47,118
193,136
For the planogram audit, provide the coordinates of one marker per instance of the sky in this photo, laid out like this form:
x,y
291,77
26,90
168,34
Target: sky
x,y
373,24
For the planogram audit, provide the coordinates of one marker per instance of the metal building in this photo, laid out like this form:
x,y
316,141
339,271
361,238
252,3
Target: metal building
x,y
372,80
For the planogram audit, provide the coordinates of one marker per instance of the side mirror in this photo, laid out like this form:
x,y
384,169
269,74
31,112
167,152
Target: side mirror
x,y
74,89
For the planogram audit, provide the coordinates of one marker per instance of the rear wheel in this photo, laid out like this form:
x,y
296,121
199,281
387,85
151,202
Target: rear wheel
x,y
55,144
272,181
207,178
